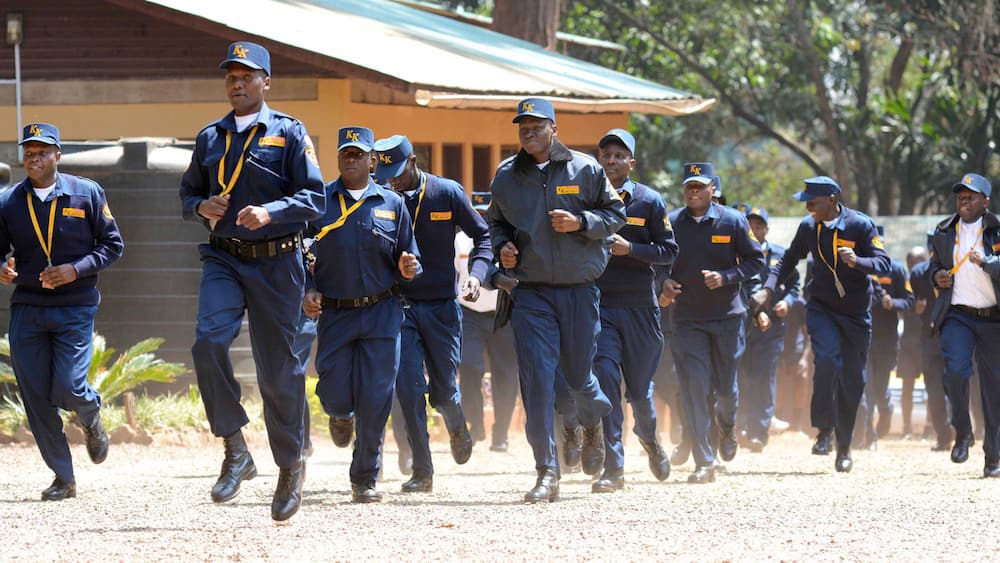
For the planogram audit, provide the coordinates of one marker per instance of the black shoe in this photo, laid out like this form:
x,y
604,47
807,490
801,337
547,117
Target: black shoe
x,y
592,453
499,446
823,444
703,474
288,493
97,441
461,445
572,444
364,494
960,452
755,445
843,463
610,481
659,465
992,468
237,467
680,454
419,483
60,490
546,487
341,430
728,444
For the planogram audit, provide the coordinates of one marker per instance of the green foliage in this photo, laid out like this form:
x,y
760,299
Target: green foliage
x,y
137,365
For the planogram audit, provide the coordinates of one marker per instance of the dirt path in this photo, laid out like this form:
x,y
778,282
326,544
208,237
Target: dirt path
x,y
151,503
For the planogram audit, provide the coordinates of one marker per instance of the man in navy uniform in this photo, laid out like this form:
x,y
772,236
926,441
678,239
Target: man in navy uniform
x,y
965,266
892,295
847,250
630,342
759,365
253,182
552,211
62,233
363,246
479,338
930,357
717,255
432,330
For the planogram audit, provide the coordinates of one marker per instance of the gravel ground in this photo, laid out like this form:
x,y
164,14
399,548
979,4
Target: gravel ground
x,y
902,502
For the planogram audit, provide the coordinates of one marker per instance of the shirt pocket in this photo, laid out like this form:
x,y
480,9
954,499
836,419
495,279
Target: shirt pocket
x,y
384,235
266,164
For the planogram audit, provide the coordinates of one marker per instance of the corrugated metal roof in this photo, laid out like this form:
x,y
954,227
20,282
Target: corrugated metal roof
x,y
446,63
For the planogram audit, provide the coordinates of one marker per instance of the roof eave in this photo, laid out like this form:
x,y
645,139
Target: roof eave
x,y
452,100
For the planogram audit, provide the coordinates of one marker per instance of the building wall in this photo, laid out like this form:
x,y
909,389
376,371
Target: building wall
x,y
109,110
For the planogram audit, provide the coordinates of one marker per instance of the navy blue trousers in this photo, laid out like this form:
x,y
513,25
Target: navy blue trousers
x,y
932,366
628,349
479,340
302,348
269,291
431,336
840,351
706,354
357,359
555,328
51,348
963,337
757,377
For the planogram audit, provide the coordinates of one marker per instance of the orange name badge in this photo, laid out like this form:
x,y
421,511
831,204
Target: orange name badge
x,y
721,239
567,190
271,142
385,214
996,247
885,280
74,212
440,215
844,242
637,221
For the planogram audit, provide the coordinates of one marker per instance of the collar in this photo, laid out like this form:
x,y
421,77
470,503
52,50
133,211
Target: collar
x,y
557,153
713,212
628,187
839,222
63,187
373,189
990,221
229,121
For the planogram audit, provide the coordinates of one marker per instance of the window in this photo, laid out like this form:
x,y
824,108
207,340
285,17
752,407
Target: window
x,y
424,152
452,162
482,168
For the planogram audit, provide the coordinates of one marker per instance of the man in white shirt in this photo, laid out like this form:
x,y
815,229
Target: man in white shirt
x,y
965,266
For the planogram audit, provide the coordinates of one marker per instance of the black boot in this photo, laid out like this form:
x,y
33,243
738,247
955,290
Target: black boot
x,y
288,493
421,482
572,442
237,467
546,488
843,464
60,490
341,431
823,442
658,462
461,444
592,453
610,481
97,440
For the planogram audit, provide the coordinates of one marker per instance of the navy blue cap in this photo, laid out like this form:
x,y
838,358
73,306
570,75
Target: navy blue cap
x,y
759,212
974,182
818,186
741,207
390,156
620,135
880,229
40,132
361,137
535,107
248,54
717,192
701,172
481,200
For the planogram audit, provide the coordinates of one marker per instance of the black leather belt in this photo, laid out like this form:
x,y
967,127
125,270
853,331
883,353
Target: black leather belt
x,y
986,313
359,302
252,250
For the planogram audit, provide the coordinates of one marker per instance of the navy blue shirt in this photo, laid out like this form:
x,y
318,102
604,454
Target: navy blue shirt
x,y
923,288
854,230
627,281
279,173
360,258
787,292
721,242
443,208
885,324
86,236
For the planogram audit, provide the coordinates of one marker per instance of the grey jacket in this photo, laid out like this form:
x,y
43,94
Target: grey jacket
x,y
522,197
942,258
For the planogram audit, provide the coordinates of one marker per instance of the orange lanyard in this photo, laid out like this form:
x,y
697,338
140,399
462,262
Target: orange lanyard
x,y
345,212
833,269
46,248
958,238
228,187
420,199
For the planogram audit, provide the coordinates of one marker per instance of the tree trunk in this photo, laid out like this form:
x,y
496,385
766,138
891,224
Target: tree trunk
x,y
532,20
